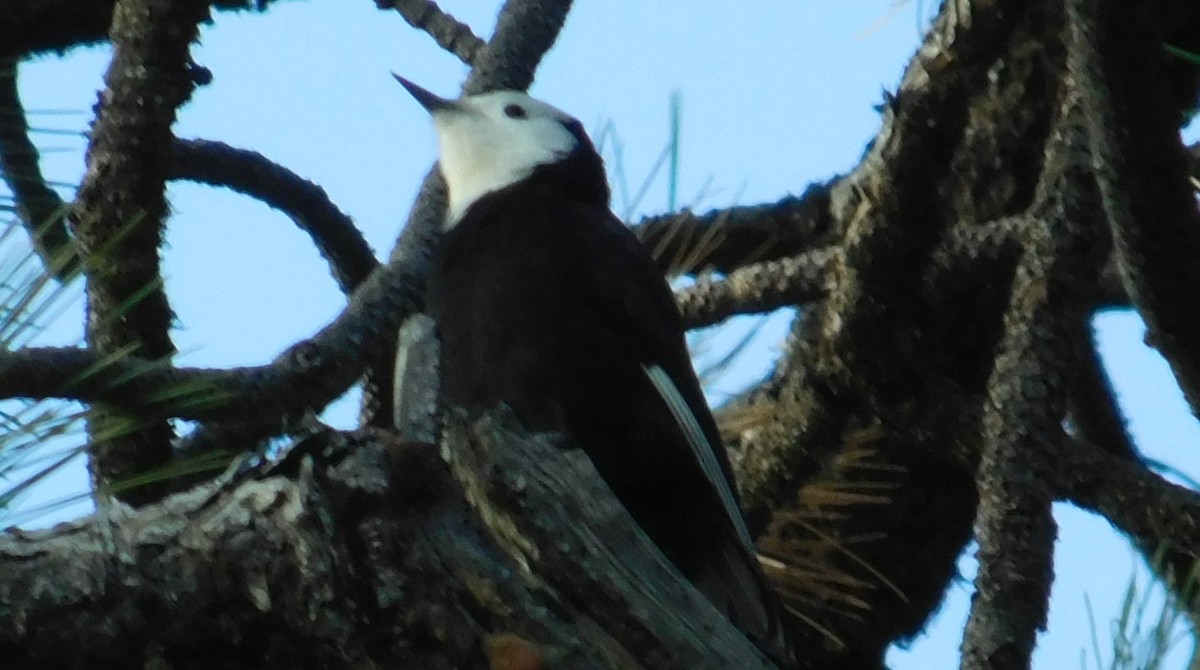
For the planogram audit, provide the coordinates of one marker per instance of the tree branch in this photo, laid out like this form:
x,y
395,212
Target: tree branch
x,y
449,33
38,26
892,219
156,576
531,491
1027,393
964,255
1014,527
525,31
1149,509
1142,170
755,288
120,211
726,239
366,555
1137,501
1096,418
334,234
305,378
152,390
39,207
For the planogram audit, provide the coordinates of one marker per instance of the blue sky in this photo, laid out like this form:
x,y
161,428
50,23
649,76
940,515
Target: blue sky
x,y
775,95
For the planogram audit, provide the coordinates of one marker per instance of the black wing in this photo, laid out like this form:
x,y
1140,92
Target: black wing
x,y
644,305
548,304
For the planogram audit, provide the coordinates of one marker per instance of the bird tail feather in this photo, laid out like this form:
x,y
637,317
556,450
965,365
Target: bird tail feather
x,y
737,585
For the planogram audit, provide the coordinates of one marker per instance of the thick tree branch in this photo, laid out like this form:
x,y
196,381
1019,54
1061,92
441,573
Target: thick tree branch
x,y
338,564
1142,170
1028,390
153,576
893,219
333,232
37,26
1149,509
120,210
888,208
755,288
1014,527
303,379
999,78
529,492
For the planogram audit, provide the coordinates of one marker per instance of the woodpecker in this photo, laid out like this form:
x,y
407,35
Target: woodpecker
x,y
546,302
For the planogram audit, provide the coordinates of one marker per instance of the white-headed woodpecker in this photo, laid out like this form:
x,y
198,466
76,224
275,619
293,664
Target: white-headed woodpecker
x,y
546,302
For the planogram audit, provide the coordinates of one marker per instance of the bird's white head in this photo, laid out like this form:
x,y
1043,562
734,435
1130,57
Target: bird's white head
x,y
493,140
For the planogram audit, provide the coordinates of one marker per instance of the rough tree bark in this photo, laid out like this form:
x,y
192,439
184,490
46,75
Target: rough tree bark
x,y
940,383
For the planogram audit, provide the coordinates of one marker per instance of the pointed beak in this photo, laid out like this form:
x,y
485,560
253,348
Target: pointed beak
x,y
429,101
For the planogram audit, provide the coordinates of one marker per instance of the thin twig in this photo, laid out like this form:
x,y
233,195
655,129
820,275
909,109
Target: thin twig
x,y
38,206
449,33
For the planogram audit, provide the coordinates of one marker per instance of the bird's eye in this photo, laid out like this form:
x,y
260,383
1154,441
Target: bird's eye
x,y
514,111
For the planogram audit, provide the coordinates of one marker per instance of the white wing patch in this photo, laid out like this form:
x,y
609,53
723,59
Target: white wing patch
x,y
700,446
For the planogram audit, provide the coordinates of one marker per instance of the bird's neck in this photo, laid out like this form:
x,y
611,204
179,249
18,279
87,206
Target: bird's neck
x,y
579,176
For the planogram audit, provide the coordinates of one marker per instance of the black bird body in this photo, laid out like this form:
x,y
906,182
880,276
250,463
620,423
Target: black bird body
x,y
546,303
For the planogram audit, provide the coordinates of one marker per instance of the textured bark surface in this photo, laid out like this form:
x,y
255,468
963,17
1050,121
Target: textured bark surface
x,y
119,215
940,384
363,549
